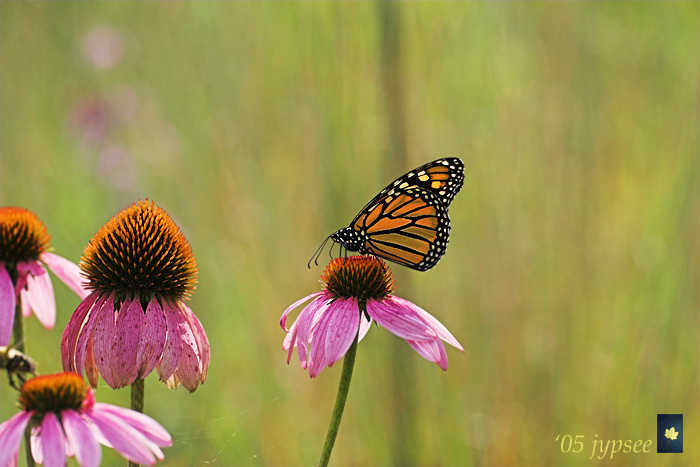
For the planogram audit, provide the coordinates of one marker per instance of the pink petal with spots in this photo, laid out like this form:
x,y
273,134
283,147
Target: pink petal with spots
x,y
172,352
7,306
308,319
88,329
201,339
152,339
342,330
127,335
67,271
70,334
189,371
104,343
283,319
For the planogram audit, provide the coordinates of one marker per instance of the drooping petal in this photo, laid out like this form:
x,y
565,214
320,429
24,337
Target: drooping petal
x,y
201,339
283,319
11,432
400,320
7,306
90,368
52,441
127,334
70,334
104,343
365,324
80,439
172,351
151,429
433,351
308,319
437,326
152,339
35,444
342,330
85,336
38,295
318,357
67,271
126,440
189,371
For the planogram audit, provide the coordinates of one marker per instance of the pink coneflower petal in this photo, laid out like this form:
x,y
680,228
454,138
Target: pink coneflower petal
x,y
67,271
35,445
172,352
283,319
123,438
201,339
38,294
365,324
397,321
127,333
152,339
342,330
307,319
11,432
433,351
88,327
437,326
104,345
52,441
90,367
70,335
7,307
151,429
189,369
80,439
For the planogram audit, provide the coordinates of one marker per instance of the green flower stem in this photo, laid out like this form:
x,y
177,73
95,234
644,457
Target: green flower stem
x,y
343,388
137,397
18,342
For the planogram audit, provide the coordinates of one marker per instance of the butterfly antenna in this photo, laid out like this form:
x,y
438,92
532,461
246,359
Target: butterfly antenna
x,y
318,252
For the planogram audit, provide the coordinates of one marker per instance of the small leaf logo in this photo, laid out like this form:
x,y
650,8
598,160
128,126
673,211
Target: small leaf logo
x,y
671,434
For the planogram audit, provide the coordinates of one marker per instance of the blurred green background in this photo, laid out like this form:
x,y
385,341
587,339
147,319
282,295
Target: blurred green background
x,y
572,273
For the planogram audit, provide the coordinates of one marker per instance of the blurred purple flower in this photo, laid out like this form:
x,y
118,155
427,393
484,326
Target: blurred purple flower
x,y
103,46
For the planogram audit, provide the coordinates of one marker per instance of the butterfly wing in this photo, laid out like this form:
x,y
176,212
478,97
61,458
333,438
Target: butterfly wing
x,y
442,177
407,222
410,228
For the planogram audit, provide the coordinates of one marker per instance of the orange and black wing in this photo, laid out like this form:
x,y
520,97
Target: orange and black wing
x,y
410,227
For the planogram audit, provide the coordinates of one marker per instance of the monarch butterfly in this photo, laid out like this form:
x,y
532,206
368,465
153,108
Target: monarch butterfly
x,y
407,222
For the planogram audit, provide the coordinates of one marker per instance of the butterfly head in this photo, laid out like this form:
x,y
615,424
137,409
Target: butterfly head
x,y
349,239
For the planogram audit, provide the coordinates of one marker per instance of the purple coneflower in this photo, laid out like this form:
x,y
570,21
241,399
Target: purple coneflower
x,y
66,421
140,268
24,245
356,290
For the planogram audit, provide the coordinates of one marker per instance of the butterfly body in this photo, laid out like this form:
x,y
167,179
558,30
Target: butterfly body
x,y
407,222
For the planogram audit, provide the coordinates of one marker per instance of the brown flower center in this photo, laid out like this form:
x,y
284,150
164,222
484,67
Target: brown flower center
x,y
53,393
140,251
361,277
23,237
